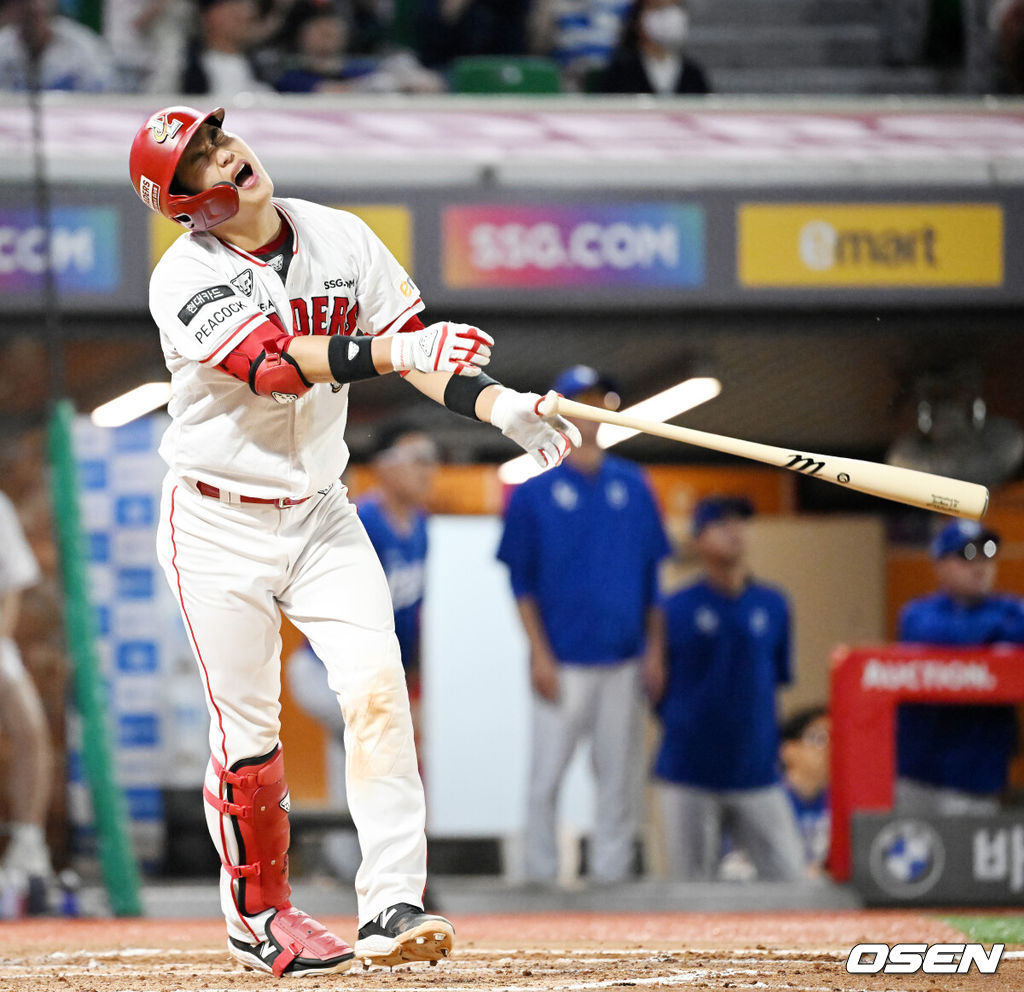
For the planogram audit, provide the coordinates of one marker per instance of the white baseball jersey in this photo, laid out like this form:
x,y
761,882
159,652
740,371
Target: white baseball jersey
x,y
18,566
206,296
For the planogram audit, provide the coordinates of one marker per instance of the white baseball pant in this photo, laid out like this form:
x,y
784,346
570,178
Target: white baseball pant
x,y
601,702
761,822
234,568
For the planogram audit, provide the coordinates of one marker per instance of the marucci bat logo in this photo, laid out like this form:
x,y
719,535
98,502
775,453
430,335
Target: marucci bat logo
x,y
805,464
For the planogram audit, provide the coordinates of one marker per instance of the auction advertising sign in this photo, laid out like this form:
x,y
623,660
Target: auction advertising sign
x,y
84,247
805,245
584,245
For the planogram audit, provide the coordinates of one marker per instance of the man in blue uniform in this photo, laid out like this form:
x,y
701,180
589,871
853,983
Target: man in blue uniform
x,y
582,544
728,649
954,759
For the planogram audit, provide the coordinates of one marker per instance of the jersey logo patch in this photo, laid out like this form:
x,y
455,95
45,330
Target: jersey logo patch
x,y
243,282
706,620
276,262
564,495
617,494
204,296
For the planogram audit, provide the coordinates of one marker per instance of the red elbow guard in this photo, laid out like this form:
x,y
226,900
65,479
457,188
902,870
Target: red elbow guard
x,y
275,373
261,359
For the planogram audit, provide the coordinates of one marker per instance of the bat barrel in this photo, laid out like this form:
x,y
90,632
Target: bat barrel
x,y
903,485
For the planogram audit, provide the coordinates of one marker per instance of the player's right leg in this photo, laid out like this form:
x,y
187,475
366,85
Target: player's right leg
x,y
219,563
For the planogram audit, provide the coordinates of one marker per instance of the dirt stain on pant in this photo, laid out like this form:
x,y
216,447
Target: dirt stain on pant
x,y
378,734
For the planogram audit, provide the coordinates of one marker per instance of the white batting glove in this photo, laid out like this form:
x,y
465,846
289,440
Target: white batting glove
x,y
442,347
547,439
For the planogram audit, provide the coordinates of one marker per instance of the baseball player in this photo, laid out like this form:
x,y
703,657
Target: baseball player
x,y
26,861
955,760
267,309
728,640
590,640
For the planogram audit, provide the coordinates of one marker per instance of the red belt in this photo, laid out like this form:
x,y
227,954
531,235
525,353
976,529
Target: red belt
x,y
214,493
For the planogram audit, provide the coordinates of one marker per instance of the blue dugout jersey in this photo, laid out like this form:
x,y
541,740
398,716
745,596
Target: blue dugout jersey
x,y
726,656
967,748
403,556
586,548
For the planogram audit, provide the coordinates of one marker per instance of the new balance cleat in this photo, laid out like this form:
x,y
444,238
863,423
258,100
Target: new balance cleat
x,y
296,944
401,934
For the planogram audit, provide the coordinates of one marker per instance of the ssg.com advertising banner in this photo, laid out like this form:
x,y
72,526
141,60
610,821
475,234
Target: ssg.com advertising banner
x,y
803,245
583,245
85,248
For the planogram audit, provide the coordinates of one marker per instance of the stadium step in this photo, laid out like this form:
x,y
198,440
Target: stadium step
x,y
771,46
826,81
751,13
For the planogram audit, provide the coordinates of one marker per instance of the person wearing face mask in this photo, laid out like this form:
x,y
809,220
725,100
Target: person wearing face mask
x,y
955,759
650,57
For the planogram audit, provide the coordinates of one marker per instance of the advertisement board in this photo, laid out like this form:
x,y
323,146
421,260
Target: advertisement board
x,y
950,860
869,244
85,249
589,245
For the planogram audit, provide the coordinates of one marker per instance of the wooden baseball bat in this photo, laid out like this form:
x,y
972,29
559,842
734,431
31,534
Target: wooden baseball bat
x,y
903,485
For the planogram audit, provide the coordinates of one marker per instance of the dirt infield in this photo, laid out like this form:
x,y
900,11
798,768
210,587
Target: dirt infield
x,y
802,952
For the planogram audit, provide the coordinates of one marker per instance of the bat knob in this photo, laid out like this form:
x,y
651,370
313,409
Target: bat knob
x,y
548,404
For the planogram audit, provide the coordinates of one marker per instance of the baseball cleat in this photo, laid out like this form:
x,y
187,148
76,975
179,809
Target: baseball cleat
x,y
295,944
404,933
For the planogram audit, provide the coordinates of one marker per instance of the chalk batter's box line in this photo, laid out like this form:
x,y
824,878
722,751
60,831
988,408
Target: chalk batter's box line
x,y
802,954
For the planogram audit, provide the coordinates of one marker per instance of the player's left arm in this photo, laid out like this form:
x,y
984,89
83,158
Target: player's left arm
x,y
546,439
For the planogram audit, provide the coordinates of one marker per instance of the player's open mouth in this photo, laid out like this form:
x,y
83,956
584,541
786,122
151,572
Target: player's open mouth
x,y
245,177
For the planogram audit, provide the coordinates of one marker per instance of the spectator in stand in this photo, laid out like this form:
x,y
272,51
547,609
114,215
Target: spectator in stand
x,y
580,35
449,29
650,56
728,649
317,39
1006,22
954,759
26,862
582,543
405,465
385,26
70,56
148,39
219,62
805,775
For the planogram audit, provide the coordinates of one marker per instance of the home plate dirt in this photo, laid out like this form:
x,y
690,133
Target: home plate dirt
x,y
801,952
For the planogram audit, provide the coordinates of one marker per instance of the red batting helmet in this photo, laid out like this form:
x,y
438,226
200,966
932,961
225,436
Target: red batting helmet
x,y
156,151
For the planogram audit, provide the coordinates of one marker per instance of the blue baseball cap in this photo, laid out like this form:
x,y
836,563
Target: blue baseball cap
x,y
581,379
967,538
715,509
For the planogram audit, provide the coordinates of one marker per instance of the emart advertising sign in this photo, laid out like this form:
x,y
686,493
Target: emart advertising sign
x,y
870,245
580,245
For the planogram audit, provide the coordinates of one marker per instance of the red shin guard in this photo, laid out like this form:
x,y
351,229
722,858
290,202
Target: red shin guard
x,y
256,803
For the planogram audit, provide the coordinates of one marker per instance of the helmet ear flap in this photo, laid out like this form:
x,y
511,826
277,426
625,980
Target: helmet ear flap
x,y
202,211
155,154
